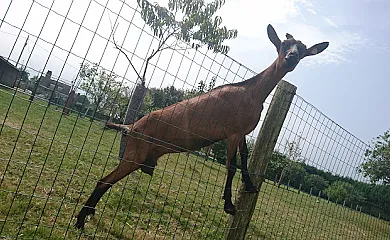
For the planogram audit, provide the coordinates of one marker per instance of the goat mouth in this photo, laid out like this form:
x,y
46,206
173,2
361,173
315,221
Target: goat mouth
x,y
291,61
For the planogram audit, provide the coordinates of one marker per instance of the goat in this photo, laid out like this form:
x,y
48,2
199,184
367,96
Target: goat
x,y
229,112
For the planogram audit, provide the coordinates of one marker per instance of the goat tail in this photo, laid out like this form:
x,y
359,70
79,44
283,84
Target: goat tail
x,y
115,126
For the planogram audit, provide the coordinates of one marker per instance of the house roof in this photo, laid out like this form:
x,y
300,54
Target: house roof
x,y
2,59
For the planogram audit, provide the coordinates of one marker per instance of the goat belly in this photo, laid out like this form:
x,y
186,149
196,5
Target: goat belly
x,y
194,144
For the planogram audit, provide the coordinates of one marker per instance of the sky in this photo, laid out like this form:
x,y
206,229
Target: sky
x,y
347,82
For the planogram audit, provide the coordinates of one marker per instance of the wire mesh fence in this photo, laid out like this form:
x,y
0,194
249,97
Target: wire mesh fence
x,y
301,197
55,150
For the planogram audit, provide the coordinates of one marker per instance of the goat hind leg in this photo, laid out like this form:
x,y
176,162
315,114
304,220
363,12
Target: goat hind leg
x,y
89,206
231,166
249,187
123,169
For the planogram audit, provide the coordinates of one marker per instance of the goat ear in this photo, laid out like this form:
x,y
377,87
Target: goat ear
x,y
316,49
273,37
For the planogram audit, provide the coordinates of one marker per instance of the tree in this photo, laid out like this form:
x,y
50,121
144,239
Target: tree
x,y
316,182
281,165
294,151
171,96
183,25
156,98
202,88
121,99
295,174
80,104
23,75
197,27
276,164
101,88
377,166
147,105
33,86
219,151
32,82
342,191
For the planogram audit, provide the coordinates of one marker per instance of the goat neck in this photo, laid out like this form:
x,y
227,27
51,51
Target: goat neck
x,y
266,81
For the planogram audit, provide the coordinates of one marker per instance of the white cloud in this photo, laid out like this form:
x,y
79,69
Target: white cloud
x,y
312,11
341,45
307,6
330,22
251,17
298,17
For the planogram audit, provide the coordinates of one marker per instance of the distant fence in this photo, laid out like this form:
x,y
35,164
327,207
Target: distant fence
x,y
54,150
327,150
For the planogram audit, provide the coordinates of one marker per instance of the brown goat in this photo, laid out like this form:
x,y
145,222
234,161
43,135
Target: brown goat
x,y
227,112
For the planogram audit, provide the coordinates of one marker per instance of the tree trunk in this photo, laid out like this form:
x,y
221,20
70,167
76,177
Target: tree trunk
x,y
135,103
281,177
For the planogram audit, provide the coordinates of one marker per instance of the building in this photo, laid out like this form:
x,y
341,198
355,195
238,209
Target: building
x,y
56,91
8,73
47,85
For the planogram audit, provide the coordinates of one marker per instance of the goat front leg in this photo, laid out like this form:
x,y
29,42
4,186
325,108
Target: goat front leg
x,y
231,166
249,187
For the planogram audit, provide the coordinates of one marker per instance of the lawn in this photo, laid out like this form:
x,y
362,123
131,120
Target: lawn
x,y
49,164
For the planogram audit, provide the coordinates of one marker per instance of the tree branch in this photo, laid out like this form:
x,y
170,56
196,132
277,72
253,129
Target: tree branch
x,y
175,49
128,59
154,52
179,48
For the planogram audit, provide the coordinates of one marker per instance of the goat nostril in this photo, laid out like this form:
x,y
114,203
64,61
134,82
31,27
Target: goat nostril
x,y
292,55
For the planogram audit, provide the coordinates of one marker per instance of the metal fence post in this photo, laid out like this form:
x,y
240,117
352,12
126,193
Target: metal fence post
x,y
264,147
137,97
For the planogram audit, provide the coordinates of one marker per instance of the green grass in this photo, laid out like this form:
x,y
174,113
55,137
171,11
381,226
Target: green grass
x,y
58,160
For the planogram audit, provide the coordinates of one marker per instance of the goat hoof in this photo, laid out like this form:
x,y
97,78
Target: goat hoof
x,y
85,211
80,223
230,209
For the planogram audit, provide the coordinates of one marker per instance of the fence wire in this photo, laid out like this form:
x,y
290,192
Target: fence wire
x,y
312,153
54,151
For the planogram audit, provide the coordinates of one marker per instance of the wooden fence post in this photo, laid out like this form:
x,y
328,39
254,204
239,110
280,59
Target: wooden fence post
x,y
276,179
137,98
257,165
